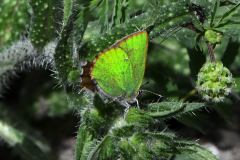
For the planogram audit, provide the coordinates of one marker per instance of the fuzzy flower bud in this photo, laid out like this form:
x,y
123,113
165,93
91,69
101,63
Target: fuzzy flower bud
x,y
214,82
213,36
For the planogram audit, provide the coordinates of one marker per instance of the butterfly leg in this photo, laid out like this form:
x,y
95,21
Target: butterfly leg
x,y
137,103
126,110
127,106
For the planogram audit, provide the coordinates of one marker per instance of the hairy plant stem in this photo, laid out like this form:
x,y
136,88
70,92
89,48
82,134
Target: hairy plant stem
x,y
211,52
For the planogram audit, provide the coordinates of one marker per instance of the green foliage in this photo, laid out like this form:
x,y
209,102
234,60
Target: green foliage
x,y
224,19
136,134
158,19
55,104
45,19
61,36
22,56
170,109
64,57
13,20
26,142
193,151
68,4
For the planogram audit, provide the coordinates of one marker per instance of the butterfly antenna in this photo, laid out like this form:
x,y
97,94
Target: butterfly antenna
x,y
138,28
160,96
171,33
168,34
145,83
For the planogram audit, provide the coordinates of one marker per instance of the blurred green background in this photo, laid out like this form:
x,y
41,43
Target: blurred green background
x,y
34,109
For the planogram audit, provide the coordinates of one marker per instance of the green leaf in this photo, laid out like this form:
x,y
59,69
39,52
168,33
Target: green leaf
x,y
63,56
122,129
108,148
229,22
165,109
135,147
79,25
14,20
85,143
104,15
67,5
135,116
95,3
228,14
101,146
126,149
193,151
65,50
213,13
171,109
46,21
119,12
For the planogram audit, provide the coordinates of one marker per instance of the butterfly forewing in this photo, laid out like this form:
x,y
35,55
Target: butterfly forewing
x,y
136,48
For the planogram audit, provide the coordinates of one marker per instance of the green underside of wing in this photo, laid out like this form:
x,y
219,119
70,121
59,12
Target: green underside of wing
x,y
119,71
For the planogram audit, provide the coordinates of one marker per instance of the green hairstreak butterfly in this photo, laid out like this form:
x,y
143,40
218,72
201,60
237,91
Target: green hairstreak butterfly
x,y
119,70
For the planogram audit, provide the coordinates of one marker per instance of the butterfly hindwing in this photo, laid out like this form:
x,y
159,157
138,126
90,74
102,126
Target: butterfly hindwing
x,y
109,70
119,70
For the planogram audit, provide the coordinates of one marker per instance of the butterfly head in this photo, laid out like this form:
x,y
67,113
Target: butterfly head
x,y
132,98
